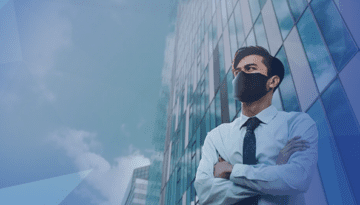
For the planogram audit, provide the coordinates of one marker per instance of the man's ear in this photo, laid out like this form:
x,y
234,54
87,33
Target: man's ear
x,y
274,81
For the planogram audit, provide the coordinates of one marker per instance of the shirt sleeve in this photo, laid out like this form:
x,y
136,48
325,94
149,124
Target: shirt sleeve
x,y
211,190
287,179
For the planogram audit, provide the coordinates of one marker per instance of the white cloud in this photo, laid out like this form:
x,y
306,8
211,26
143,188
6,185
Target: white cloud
x,y
159,156
111,180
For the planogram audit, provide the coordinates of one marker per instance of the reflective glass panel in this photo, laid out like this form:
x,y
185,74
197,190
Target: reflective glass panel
x,y
218,108
297,7
214,33
229,7
254,8
284,17
232,33
336,35
276,100
262,3
221,59
223,13
212,114
261,39
210,33
251,39
239,24
345,129
330,168
213,7
207,119
230,92
315,50
287,87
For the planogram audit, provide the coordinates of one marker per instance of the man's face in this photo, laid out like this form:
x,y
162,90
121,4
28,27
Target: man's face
x,y
250,64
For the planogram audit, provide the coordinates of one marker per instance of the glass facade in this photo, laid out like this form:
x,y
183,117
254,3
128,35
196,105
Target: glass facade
x,y
137,188
318,51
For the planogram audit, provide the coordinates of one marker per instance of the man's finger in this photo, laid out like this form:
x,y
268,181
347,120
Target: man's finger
x,y
295,150
302,143
293,139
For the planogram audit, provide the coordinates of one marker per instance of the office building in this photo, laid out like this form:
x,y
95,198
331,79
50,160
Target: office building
x,y
317,41
137,189
158,138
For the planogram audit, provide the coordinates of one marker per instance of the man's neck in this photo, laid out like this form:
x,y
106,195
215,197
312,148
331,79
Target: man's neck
x,y
252,109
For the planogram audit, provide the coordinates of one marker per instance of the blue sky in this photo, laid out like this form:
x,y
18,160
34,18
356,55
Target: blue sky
x,y
79,84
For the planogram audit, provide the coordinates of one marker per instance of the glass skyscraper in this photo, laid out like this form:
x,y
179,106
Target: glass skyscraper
x,y
137,189
317,41
155,170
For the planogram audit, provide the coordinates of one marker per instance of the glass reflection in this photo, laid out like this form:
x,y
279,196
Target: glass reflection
x,y
229,7
336,35
346,130
276,100
260,34
221,59
262,3
254,9
330,168
297,7
315,50
230,93
251,39
283,15
239,24
223,13
287,87
218,108
232,33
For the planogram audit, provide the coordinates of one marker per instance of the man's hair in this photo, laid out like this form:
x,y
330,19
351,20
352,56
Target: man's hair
x,y
273,64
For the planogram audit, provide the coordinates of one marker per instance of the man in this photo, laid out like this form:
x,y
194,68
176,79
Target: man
x,y
258,158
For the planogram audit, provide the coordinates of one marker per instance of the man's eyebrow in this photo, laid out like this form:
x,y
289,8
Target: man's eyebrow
x,y
247,65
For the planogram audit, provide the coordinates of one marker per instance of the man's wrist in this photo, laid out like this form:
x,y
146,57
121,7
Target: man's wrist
x,y
228,173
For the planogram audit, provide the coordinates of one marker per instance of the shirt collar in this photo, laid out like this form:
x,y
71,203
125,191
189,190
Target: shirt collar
x,y
265,115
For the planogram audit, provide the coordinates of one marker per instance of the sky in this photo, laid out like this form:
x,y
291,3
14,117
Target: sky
x,y
79,85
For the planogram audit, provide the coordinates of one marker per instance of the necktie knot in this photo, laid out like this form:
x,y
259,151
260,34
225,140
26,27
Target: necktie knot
x,y
252,123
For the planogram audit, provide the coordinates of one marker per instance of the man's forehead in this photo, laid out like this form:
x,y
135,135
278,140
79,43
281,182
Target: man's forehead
x,y
250,60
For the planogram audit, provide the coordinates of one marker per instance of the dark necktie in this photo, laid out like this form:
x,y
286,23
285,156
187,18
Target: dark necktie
x,y
249,154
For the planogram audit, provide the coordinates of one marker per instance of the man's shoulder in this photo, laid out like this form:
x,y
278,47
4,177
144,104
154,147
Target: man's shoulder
x,y
221,130
294,116
295,119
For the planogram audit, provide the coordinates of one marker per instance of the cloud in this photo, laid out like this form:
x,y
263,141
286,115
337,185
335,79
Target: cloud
x,y
159,156
110,180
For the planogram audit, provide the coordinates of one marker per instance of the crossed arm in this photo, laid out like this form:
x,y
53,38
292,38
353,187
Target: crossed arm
x,y
249,180
211,190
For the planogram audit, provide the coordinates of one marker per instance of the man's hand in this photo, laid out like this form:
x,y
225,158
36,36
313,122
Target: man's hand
x,y
292,146
222,169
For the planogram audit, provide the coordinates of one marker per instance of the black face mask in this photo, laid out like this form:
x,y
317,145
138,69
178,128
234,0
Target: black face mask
x,y
249,87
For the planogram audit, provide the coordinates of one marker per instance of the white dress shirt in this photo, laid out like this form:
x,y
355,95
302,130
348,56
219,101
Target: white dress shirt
x,y
277,184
